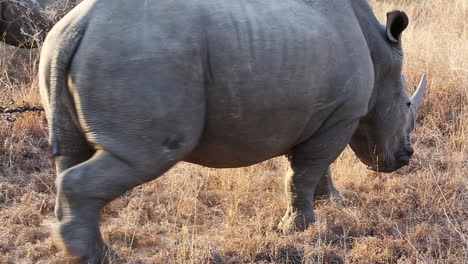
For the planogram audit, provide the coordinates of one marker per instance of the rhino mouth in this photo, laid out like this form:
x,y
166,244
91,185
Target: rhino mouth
x,y
404,156
404,159
400,159
386,169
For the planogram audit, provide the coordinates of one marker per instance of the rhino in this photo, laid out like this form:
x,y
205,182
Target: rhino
x,y
131,88
24,23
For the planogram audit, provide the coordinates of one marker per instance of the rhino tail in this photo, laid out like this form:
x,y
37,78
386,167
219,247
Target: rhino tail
x,y
60,62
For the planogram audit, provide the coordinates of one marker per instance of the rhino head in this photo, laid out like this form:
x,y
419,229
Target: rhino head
x,y
382,139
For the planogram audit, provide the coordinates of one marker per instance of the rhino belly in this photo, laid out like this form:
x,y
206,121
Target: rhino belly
x,y
231,140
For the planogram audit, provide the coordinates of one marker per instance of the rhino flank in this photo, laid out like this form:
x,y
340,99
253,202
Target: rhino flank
x,y
133,87
24,23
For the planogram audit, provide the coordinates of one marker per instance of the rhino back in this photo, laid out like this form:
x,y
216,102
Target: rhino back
x,y
267,75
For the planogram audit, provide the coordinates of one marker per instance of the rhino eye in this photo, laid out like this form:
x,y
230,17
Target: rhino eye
x,y
408,104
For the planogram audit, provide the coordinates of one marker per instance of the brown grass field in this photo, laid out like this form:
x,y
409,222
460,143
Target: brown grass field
x,y
193,214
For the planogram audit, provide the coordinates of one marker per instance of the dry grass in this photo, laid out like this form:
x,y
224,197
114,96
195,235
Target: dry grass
x,y
200,215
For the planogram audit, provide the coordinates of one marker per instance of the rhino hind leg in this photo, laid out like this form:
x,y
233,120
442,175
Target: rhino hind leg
x,y
87,188
74,149
309,177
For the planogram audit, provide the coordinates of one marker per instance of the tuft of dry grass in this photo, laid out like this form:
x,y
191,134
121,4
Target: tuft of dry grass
x,y
193,214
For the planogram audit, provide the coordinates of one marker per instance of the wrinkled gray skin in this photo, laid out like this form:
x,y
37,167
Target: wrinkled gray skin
x,y
20,29
133,87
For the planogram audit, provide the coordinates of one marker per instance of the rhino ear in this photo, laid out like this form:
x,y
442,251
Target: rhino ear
x,y
397,21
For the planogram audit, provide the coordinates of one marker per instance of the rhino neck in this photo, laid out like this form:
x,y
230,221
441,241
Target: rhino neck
x,y
370,26
373,32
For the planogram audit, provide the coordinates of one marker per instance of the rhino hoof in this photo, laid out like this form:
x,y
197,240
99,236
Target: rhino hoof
x,y
295,222
69,236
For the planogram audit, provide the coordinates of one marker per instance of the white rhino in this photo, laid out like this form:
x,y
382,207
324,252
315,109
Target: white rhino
x,y
133,87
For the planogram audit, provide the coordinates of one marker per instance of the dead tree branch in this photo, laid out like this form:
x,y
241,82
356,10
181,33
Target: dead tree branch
x,y
11,114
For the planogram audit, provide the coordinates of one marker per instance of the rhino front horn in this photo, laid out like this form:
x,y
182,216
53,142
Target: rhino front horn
x,y
416,99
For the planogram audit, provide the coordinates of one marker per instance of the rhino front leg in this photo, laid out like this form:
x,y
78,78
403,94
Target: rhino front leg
x,y
325,188
309,177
